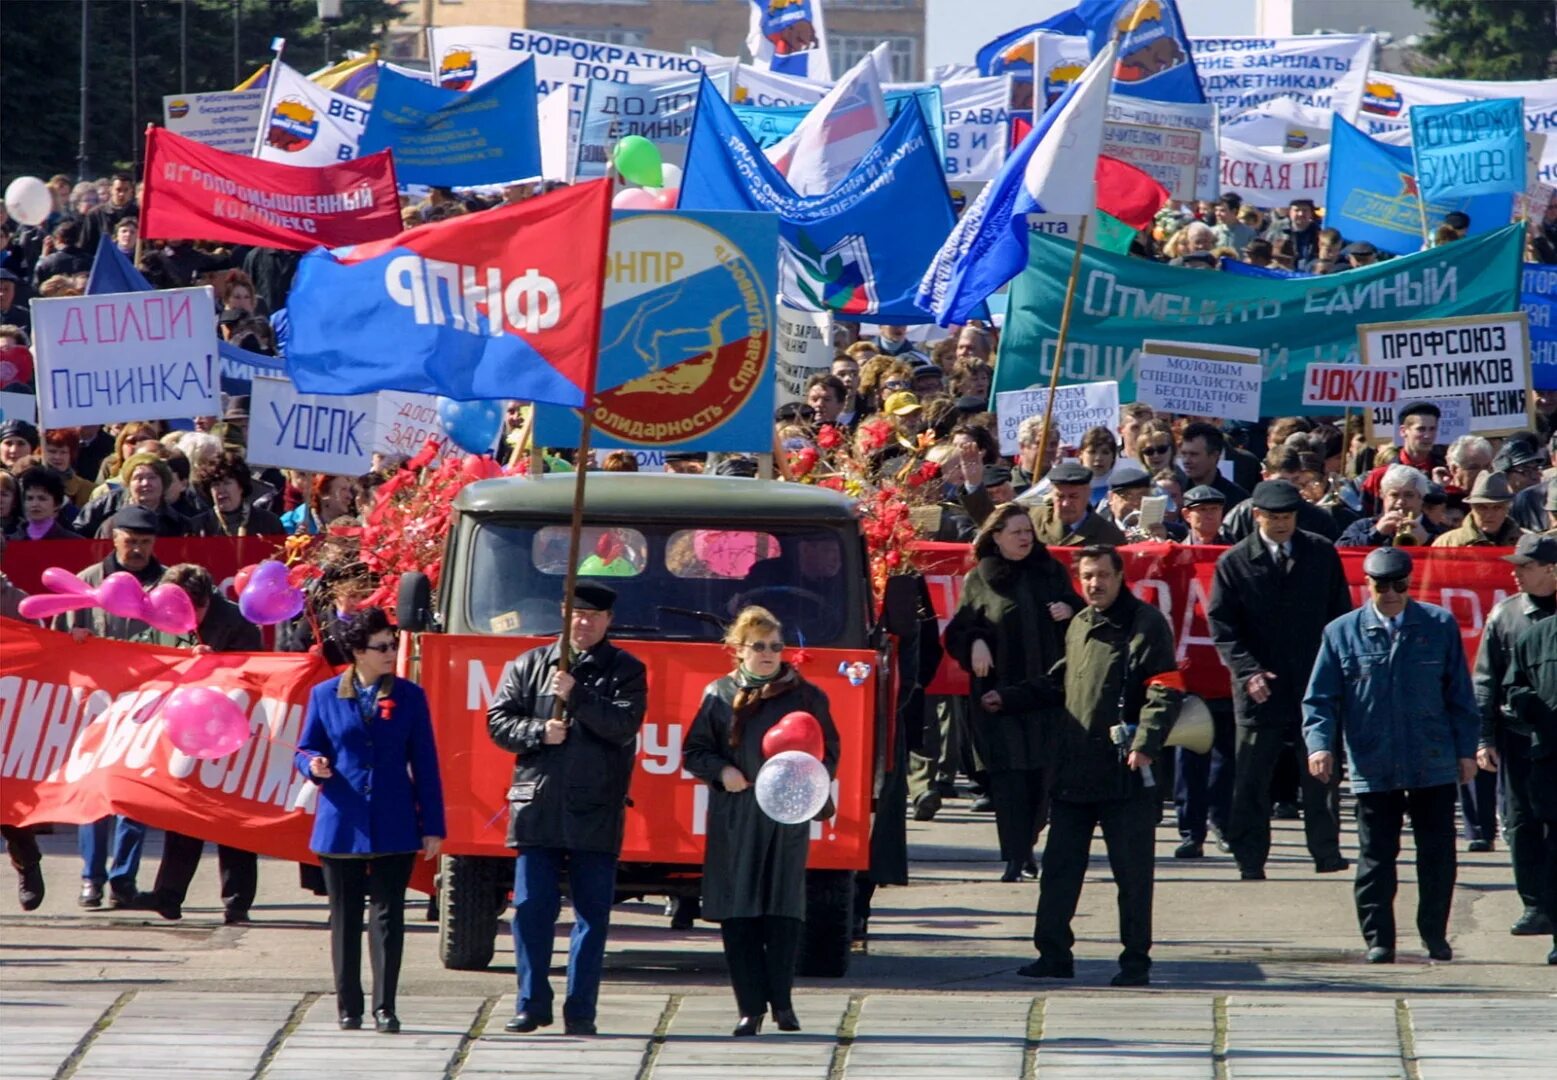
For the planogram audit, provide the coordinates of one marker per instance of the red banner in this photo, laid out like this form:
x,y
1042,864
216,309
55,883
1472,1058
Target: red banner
x,y
198,193
223,556
1177,578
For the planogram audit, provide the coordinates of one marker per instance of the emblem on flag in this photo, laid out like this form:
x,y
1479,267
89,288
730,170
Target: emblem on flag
x,y
293,126
457,69
1149,43
839,279
1381,99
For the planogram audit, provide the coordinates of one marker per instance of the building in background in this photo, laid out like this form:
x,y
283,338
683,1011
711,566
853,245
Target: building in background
x,y
1399,19
854,27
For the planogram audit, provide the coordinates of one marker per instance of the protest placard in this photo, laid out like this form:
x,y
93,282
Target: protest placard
x,y
1076,408
222,119
318,433
404,421
1348,386
1169,156
126,356
1200,380
805,347
1484,358
1454,418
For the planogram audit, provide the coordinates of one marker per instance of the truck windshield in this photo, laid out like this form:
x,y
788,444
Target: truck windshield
x,y
671,582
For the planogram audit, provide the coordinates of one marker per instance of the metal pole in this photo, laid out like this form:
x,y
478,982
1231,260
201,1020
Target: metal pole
x,y
86,82
237,24
136,137
183,46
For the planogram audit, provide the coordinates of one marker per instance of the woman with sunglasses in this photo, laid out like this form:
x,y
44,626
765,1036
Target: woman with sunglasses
x,y
754,868
368,744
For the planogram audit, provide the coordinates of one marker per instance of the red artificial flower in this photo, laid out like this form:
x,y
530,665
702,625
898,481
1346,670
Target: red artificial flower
x,y
828,438
802,461
874,434
831,483
386,708
798,657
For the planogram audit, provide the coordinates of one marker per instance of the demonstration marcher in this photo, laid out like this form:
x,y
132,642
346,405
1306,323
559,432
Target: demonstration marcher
x,y
368,728
1063,516
572,733
1507,746
1122,691
1392,683
1010,626
21,842
1272,595
754,881
1532,700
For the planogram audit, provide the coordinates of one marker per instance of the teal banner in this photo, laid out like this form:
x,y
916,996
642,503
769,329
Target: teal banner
x,y
1121,301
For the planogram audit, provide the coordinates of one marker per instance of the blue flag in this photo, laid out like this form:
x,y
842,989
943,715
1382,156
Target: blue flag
x,y
1372,195
857,251
456,138
1243,269
1470,148
1538,297
1154,56
770,124
1010,53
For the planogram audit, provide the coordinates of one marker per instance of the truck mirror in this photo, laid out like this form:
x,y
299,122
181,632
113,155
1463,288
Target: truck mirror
x,y
413,608
900,605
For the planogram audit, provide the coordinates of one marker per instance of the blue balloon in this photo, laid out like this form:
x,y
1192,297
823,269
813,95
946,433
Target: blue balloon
x,y
472,425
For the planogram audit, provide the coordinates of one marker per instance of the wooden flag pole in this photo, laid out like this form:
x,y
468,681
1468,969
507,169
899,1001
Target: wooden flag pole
x,y
1059,351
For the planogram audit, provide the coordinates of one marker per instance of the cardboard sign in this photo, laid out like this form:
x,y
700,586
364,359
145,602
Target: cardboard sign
x,y
805,347
292,430
403,422
1200,380
1077,408
1454,419
1349,386
126,356
1169,156
224,119
1483,358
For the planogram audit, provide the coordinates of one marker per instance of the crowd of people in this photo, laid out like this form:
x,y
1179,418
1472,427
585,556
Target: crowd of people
x,y
1074,681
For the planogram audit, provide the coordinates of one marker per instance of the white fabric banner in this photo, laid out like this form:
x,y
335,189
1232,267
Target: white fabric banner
x,y
1123,109
838,131
1280,122
976,121
754,86
1323,71
1274,177
305,124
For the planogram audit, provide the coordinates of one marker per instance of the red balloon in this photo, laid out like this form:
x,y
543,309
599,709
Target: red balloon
x,y
240,580
796,731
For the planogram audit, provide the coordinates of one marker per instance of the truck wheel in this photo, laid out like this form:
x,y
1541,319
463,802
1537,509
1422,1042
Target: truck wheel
x,y
829,923
471,892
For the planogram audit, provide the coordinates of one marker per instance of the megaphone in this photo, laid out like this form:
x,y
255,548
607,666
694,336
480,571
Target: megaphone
x,y
1193,730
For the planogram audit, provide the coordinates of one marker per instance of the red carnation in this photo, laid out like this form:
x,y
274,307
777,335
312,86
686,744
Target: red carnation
x,y
828,438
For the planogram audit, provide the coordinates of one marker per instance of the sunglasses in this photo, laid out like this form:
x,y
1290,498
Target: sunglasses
x,y
381,647
1395,585
1166,448
775,647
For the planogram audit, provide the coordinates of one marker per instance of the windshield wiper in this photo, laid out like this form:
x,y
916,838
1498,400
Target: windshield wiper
x,y
705,616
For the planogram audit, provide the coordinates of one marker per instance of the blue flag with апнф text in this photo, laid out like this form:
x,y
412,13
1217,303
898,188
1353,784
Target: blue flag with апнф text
x,y
859,250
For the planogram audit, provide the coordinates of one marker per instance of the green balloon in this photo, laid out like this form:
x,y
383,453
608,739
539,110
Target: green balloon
x,y
638,160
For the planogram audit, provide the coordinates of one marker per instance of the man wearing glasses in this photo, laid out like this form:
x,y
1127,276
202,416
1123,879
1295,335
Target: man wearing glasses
x,y
1392,683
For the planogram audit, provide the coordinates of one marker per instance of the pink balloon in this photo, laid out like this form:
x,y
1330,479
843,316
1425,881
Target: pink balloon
x,y
171,610
52,604
120,594
269,597
634,199
666,198
63,581
204,723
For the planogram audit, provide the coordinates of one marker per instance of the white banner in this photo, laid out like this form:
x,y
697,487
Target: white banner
x,y
754,86
307,124
1325,71
1200,380
318,433
1482,358
1170,156
224,119
1280,122
126,356
403,422
1058,61
976,123
1077,408
805,347
1123,109
1274,177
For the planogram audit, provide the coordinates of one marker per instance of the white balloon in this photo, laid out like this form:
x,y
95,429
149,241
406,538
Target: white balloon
x,y
792,787
29,200
671,175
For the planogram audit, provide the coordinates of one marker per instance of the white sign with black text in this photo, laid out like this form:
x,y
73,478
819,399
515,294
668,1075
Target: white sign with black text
x,y
805,347
1076,408
1482,358
1200,380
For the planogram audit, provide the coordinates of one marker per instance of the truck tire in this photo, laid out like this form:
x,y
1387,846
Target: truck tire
x,y
471,894
829,923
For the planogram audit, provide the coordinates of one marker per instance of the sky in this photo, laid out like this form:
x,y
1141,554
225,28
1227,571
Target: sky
x,y
954,29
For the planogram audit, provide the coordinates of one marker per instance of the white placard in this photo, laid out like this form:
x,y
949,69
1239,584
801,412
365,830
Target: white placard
x,y
14,406
1077,408
1349,386
805,347
223,119
1454,419
1170,156
1482,358
403,422
1200,380
1123,109
315,432
126,356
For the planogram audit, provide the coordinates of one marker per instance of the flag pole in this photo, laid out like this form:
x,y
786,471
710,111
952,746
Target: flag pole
x,y
276,46
1059,350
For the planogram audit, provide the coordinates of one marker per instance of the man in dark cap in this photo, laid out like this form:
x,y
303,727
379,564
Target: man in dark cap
x,y
928,380
1391,682
18,439
1487,523
13,311
1202,509
1128,486
1271,597
1520,462
1285,463
1360,253
1506,745
1065,518
573,734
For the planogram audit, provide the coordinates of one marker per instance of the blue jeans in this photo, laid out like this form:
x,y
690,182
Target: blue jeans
x,y
537,903
93,842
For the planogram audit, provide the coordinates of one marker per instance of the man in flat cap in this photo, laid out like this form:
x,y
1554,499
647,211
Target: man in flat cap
x,y
1128,486
1271,597
1203,509
1486,523
1392,684
1065,518
572,733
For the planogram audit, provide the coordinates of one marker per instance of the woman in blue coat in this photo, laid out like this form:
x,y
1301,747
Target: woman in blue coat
x,y
368,743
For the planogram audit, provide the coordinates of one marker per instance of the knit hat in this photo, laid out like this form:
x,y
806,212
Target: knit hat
x,y
135,461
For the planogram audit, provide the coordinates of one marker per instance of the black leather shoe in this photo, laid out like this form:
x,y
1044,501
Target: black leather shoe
x,y
1047,969
685,910
749,1025
927,806
1013,871
1551,957
578,1027
1285,811
1380,955
982,805
236,917
131,900
165,906
386,1022
1190,849
1533,923
350,1022
1438,950
525,1022
786,1019
1030,869
1252,873
1480,846
91,895
29,887
1130,978
1330,864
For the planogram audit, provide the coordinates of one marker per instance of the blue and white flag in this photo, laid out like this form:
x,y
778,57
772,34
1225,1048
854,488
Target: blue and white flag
x,y
1052,172
857,251
790,36
771,124
1012,54
305,124
1155,61
453,138
1472,148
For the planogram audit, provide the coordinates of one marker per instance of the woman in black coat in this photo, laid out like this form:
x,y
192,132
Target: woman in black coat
x,y
754,868
1009,629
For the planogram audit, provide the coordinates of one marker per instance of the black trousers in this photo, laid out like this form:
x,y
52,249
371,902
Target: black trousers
x,y
1128,828
1020,810
1525,834
382,880
22,846
1257,755
1380,818
181,857
761,954
1479,806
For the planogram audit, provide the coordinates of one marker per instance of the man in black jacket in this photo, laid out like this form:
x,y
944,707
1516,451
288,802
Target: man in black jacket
x,y
573,733
1271,598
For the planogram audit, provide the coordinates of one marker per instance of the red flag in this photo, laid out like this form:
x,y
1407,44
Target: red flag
x,y
1020,126
194,192
1127,193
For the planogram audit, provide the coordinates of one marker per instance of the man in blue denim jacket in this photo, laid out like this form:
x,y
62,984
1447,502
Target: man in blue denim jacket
x,y
1392,682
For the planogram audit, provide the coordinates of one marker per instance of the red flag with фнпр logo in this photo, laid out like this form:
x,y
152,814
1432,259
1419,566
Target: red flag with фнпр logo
x,y
195,192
